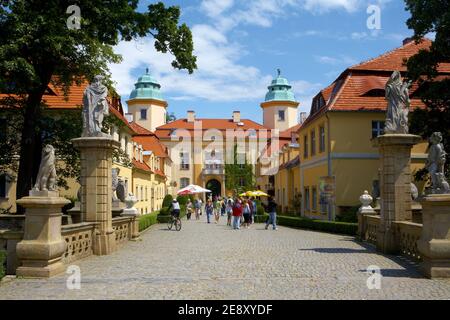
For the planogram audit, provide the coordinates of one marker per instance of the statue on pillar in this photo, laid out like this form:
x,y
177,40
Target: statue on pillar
x,y
397,95
436,163
46,178
95,108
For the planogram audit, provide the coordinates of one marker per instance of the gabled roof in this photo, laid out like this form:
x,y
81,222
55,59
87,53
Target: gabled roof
x,y
361,87
165,130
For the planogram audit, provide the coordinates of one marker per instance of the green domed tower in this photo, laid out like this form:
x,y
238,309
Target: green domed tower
x,y
147,104
280,106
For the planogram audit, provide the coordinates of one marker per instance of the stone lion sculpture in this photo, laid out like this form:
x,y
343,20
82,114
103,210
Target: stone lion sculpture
x,y
46,178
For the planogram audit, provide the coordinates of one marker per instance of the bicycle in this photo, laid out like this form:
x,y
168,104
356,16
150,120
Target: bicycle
x,y
174,220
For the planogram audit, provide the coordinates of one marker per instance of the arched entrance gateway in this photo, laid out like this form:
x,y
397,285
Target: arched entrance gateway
x,y
215,186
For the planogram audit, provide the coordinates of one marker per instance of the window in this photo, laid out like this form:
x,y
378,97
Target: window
x,y
314,199
305,146
137,193
184,182
313,142
146,194
377,128
241,182
322,139
281,115
142,194
307,204
143,114
184,157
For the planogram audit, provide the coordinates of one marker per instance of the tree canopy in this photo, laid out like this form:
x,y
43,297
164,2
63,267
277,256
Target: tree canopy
x,y
431,17
38,48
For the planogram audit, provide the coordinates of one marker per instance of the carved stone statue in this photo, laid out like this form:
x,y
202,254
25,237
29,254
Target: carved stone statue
x,y
95,107
121,190
397,95
46,178
435,164
115,182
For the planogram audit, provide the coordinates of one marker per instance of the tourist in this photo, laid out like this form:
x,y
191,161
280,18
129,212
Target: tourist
x,y
237,214
251,203
217,208
200,206
209,209
271,209
175,208
229,211
189,208
197,209
223,202
246,212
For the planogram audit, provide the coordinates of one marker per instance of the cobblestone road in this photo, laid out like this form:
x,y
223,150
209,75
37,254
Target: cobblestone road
x,y
214,262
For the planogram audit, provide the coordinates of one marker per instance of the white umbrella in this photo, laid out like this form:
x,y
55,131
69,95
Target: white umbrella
x,y
192,189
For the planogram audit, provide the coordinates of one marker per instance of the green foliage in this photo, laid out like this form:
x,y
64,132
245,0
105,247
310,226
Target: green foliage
x,y
37,49
319,225
2,263
170,117
167,200
348,214
183,199
237,171
430,16
165,214
148,220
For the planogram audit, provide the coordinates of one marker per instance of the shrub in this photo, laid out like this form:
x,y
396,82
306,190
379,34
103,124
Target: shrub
x,y
261,218
347,214
147,220
319,225
2,263
260,210
167,200
183,199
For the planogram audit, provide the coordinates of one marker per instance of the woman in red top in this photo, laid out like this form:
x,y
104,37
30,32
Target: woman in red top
x,y
237,213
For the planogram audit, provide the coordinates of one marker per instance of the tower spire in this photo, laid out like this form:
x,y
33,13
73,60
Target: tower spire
x,y
279,72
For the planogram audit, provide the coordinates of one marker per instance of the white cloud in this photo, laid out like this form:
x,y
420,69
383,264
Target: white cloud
x,y
342,59
322,6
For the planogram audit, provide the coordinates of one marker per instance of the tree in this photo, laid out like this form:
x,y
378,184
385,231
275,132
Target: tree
x,y
38,48
170,117
239,175
431,16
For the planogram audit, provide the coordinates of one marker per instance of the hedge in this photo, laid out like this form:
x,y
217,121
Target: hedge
x,y
319,225
147,220
2,263
164,214
167,200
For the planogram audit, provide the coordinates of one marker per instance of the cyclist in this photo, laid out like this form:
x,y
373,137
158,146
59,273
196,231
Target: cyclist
x,y
175,206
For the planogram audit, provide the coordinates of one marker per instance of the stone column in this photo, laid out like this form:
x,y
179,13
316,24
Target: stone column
x,y
434,243
41,250
96,189
366,209
395,186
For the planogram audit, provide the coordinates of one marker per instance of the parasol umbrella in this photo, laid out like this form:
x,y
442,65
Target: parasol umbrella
x,y
192,189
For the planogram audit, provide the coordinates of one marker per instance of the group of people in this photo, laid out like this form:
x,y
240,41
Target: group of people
x,y
240,211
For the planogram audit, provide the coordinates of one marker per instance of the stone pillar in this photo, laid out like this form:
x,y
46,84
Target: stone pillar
x,y
395,186
434,243
96,189
41,250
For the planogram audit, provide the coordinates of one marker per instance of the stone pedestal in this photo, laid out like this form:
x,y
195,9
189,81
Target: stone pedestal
x,y
434,243
395,186
96,192
41,250
365,209
134,213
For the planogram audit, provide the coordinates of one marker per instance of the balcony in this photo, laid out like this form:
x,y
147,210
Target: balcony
x,y
213,169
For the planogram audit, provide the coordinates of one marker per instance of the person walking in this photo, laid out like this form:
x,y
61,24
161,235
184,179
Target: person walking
x,y
271,209
197,209
209,209
217,208
223,202
189,208
237,214
229,211
250,204
246,213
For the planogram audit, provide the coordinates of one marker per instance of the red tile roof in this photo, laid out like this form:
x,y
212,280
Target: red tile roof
x,y
152,143
165,131
141,165
140,130
356,88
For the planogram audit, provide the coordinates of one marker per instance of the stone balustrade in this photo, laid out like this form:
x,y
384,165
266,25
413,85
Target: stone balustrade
x,y
369,233
122,229
79,241
408,234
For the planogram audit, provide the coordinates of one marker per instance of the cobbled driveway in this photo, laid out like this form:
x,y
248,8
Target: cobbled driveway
x,y
214,262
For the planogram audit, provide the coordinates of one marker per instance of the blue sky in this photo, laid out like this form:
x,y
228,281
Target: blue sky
x,y
240,44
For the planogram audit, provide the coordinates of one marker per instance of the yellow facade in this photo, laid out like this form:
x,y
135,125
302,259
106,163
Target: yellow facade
x,y
345,153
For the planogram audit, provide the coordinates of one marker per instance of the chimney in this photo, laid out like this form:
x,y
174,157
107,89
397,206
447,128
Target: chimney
x,y
236,116
408,40
302,117
191,116
129,117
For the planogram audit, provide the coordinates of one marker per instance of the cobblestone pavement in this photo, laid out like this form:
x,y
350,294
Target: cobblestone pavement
x,y
214,262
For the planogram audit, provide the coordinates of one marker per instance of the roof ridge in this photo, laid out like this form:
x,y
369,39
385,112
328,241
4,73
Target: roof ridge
x,y
388,53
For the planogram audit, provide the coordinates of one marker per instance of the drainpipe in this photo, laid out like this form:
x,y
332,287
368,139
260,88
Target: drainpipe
x,y
330,171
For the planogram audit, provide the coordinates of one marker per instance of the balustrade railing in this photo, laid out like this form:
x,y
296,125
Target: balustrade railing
x,y
79,241
409,233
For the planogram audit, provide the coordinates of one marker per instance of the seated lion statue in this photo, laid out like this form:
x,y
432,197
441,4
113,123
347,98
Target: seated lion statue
x,y
46,178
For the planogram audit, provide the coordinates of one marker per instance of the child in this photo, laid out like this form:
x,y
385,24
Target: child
x,y
229,211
